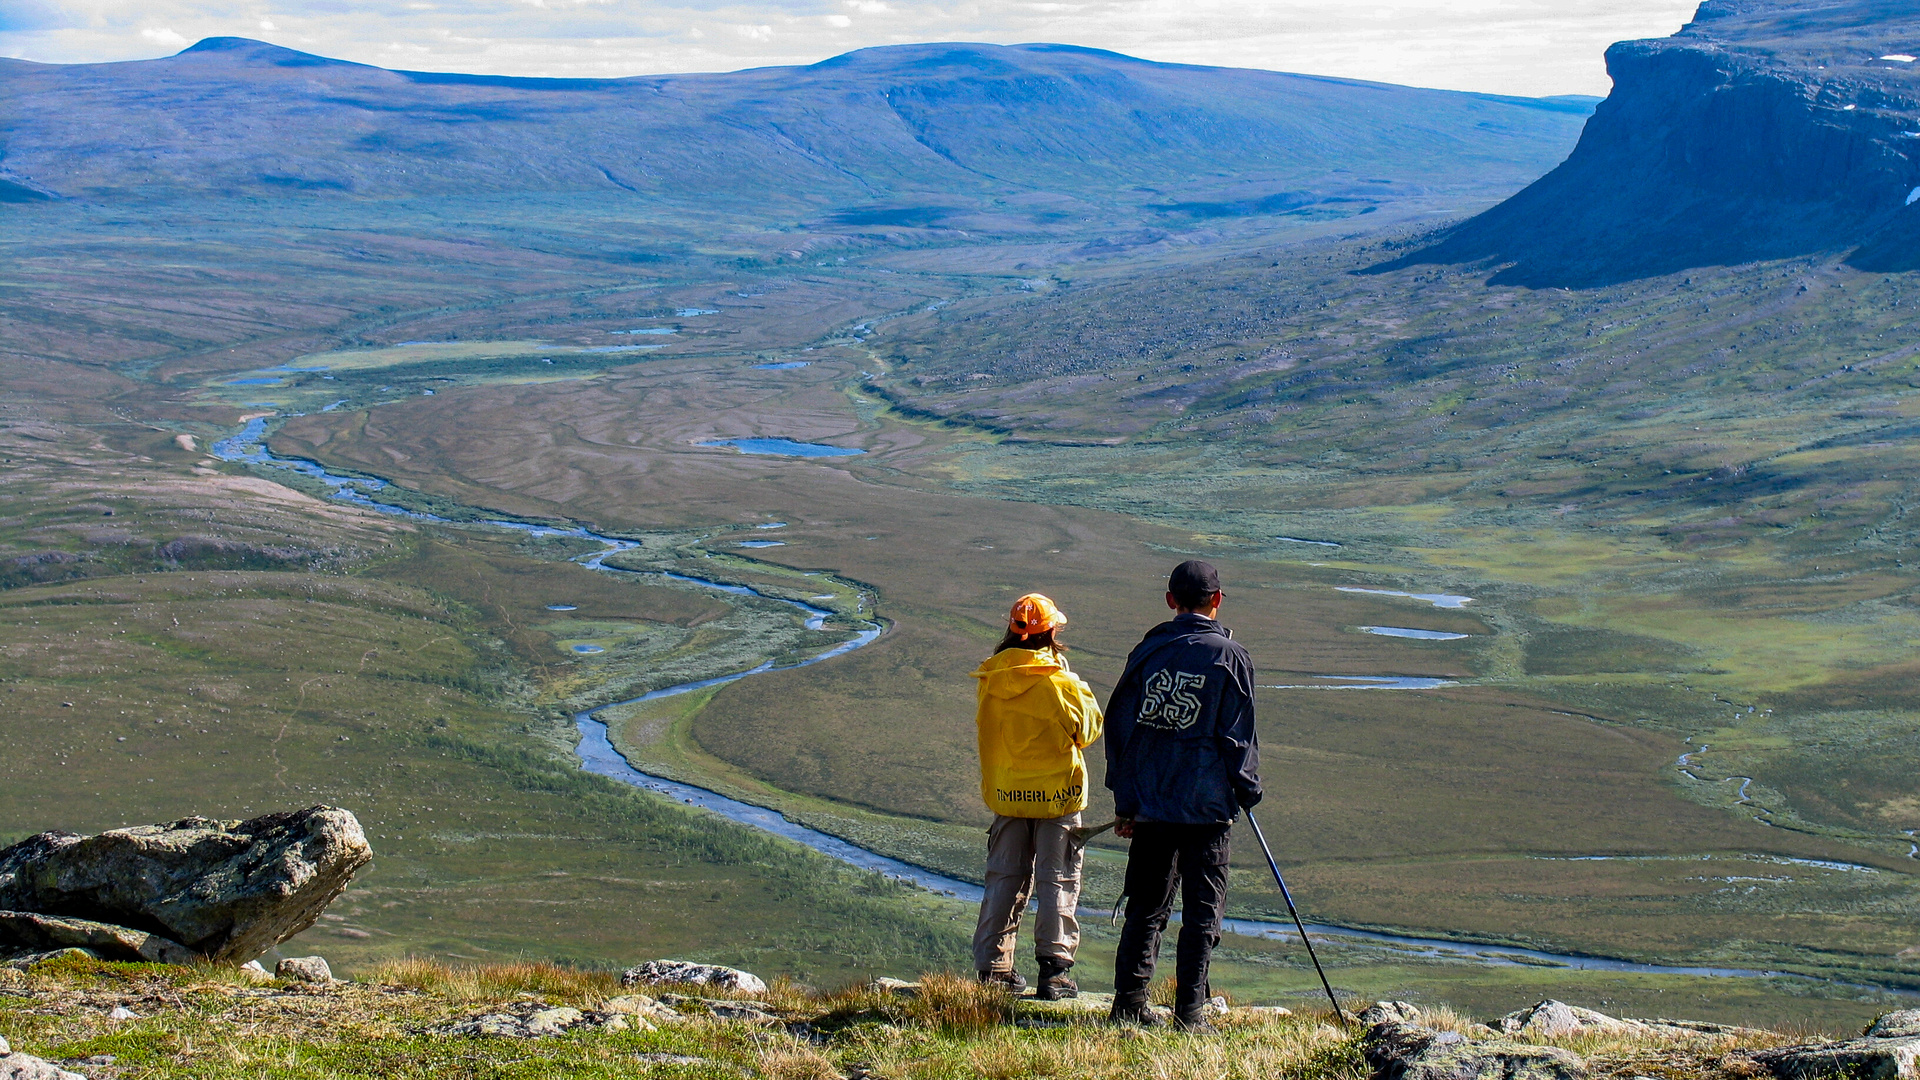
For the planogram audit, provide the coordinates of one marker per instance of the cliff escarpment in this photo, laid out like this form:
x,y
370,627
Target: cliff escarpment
x,y
1763,129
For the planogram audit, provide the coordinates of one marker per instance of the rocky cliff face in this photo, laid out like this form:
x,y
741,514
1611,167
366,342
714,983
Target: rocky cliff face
x,y
1763,129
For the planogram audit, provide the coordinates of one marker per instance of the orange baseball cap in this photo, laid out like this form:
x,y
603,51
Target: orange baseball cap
x,y
1035,614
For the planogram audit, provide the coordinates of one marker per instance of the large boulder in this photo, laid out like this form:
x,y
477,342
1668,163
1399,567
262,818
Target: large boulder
x,y
1399,1051
226,890
668,972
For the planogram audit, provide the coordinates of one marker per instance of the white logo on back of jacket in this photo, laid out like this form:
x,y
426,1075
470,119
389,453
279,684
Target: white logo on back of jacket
x,y
1169,702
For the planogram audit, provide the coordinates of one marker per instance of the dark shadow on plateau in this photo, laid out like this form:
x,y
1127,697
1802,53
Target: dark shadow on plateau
x,y
1547,238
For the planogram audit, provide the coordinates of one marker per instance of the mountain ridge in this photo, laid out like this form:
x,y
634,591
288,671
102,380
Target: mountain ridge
x,y
232,116
1762,130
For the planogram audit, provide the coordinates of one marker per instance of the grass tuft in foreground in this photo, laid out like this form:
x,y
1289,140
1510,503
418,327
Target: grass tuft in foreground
x,y
214,1024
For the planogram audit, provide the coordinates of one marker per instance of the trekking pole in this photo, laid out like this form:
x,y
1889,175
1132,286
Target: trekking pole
x,y
1080,834
1295,912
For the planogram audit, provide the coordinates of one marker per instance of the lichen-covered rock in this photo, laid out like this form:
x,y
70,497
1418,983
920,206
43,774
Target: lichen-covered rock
x,y
1873,1058
1550,1018
1409,1052
228,890
27,932
306,969
659,972
641,1011
1896,1025
531,1020
28,1067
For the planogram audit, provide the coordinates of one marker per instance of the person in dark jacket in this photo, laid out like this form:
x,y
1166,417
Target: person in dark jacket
x,y
1182,762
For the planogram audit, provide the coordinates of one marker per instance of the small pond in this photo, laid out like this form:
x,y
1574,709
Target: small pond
x,y
1417,635
1441,600
784,448
587,650
1365,682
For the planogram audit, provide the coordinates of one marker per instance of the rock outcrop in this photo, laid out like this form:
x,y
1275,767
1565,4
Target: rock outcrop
x,y
224,891
1892,1055
1398,1051
1763,129
667,972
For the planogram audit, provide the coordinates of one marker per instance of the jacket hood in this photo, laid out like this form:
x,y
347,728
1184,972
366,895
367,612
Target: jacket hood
x,y
1012,672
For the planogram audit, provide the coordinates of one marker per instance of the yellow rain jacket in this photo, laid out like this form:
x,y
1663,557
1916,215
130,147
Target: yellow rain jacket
x,y
1035,717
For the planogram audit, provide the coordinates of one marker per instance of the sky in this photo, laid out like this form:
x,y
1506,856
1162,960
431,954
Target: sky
x,y
1529,47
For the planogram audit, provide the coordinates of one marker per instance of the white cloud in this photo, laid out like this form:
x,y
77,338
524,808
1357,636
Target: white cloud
x,y
161,35
1505,46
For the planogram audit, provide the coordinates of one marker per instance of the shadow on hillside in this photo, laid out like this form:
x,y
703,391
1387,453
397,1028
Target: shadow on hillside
x,y
1541,240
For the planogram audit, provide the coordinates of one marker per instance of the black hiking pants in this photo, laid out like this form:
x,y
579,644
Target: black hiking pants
x,y
1167,858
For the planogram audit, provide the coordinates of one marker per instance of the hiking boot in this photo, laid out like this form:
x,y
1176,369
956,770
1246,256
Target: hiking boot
x,y
1194,1025
1009,980
1055,983
1133,1011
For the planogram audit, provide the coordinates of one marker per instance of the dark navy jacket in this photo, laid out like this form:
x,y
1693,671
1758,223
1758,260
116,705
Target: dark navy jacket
x,y
1180,740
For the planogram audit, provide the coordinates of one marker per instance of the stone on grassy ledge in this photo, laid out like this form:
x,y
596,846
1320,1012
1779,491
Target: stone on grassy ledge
x,y
1388,1012
305,969
1398,1051
227,890
1551,1018
33,933
663,972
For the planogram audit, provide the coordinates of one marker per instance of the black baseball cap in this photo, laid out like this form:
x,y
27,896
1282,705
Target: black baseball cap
x,y
1192,582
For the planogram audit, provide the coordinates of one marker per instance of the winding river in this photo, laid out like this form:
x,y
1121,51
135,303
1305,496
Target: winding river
x,y
598,755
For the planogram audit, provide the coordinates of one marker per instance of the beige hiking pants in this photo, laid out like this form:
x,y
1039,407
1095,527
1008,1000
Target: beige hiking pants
x,y
1025,855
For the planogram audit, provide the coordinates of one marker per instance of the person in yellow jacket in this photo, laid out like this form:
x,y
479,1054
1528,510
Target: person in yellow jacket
x,y
1035,716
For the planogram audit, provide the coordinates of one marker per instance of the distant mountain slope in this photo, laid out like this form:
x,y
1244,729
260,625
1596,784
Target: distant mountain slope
x,y
1763,129
231,116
